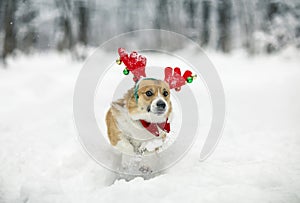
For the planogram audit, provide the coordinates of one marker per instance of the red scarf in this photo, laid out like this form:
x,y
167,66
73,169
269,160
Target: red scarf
x,y
153,127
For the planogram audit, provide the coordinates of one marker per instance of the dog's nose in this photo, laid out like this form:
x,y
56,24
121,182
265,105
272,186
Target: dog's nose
x,y
161,104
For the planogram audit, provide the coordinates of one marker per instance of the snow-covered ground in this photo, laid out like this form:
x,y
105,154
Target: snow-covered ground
x,y
257,159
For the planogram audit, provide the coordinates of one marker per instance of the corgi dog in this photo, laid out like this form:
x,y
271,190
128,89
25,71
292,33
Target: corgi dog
x,y
138,122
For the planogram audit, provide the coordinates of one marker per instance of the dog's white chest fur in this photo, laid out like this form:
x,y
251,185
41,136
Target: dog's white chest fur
x,y
132,128
135,136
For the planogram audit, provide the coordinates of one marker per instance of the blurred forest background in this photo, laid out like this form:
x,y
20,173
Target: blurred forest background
x,y
257,26
254,46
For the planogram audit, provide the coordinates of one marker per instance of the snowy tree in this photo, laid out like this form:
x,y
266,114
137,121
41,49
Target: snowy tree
x,y
83,20
10,40
224,23
27,35
162,20
65,24
206,9
256,26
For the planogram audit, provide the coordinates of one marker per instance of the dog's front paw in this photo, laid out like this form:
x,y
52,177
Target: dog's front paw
x,y
152,146
145,169
142,150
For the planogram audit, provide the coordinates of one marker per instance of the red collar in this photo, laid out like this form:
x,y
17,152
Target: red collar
x,y
153,127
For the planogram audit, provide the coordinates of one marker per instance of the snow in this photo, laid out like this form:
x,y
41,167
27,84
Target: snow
x,y
257,159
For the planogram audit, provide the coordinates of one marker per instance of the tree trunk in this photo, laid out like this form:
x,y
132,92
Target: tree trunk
x,y
206,5
224,13
65,22
83,16
162,17
9,22
191,7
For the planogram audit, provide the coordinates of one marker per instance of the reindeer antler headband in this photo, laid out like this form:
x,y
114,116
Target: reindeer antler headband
x,y
136,65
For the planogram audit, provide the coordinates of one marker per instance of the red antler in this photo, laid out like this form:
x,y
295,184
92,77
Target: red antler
x,y
134,63
176,80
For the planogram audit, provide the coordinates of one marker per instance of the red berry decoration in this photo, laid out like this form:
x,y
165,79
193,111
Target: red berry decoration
x,y
187,74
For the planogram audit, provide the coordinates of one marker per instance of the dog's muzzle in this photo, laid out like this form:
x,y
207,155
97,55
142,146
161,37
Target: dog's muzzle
x,y
160,107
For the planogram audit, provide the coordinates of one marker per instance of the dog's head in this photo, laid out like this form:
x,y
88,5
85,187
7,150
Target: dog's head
x,y
150,101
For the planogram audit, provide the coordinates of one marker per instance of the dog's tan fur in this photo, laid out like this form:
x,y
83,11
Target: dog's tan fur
x,y
133,108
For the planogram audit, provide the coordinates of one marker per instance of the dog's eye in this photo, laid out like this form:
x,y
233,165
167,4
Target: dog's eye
x,y
149,93
165,93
